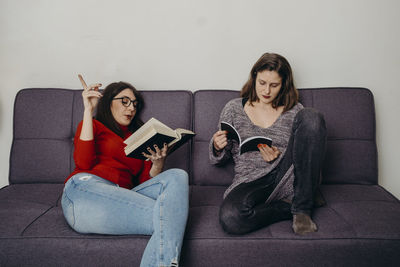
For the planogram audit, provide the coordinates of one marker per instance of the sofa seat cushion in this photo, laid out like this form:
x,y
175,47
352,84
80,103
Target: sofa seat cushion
x,y
358,226
352,211
16,216
23,204
295,252
84,250
350,230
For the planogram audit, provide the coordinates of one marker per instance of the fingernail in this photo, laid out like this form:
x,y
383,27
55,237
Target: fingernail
x,y
264,145
259,145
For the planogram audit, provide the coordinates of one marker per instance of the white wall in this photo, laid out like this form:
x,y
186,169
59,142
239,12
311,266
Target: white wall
x,y
203,44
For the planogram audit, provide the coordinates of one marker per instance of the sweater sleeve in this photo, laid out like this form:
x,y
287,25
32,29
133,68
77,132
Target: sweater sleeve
x,y
84,151
220,158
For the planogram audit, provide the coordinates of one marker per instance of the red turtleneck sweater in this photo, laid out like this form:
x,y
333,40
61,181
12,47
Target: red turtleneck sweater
x,y
105,157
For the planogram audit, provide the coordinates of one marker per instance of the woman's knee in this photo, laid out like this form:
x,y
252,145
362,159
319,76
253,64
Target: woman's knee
x,y
178,176
312,121
231,218
68,209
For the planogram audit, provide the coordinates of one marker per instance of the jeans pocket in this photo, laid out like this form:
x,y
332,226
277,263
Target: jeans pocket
x,y
68,210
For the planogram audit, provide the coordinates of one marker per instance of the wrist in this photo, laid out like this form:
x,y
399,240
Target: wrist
x,y
218,150
155,170
88,112
158,166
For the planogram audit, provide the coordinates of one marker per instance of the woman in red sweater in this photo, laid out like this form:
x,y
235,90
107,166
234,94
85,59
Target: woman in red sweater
x,y
109,193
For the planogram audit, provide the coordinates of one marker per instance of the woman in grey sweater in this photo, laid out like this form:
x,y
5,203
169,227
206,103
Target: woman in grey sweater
x,y
277,182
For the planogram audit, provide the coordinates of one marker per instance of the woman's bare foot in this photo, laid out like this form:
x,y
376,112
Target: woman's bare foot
x,y
303,224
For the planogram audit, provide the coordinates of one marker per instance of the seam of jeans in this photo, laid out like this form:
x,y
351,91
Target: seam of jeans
x,y
162,197
158,182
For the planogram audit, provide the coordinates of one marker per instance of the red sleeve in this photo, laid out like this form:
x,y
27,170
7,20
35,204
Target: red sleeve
x,y
145,173
84,151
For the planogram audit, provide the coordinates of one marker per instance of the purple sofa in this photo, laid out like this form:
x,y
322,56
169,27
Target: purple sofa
x,y
359,226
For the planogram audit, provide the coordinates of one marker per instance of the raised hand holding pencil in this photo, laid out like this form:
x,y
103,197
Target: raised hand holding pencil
x,y
90,94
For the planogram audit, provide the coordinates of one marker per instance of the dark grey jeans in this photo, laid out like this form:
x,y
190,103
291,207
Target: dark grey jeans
x,y
244,209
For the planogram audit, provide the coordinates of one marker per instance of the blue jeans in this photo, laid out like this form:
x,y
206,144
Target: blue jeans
x,y
157,207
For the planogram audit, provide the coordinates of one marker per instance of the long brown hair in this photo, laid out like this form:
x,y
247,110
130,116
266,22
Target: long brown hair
x,y
104,114
288,95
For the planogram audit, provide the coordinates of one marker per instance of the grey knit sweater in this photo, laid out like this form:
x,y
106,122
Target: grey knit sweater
x,y
251,166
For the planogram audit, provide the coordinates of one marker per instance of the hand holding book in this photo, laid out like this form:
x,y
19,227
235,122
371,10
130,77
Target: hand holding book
x,y
220,140
156,155
268,153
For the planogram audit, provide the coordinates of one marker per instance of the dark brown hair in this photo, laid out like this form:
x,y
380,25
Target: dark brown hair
x,y
288,96
104,114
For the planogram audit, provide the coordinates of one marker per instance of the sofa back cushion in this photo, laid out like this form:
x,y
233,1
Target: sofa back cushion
x,y
350,118
45,121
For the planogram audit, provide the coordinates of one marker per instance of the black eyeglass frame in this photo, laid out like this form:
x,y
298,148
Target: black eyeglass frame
x,y
135,103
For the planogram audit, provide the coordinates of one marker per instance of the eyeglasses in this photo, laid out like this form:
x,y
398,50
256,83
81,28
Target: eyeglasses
x,y
126,101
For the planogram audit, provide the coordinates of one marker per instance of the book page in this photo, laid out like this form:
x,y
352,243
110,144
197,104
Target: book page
x,y
180,132
140,140
151,125
164,129
139,133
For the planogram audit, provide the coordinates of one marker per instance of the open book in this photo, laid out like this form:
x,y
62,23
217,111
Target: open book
x,y
154,132
249,144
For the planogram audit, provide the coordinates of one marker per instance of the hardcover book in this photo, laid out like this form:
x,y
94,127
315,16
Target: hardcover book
x,y
154,132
